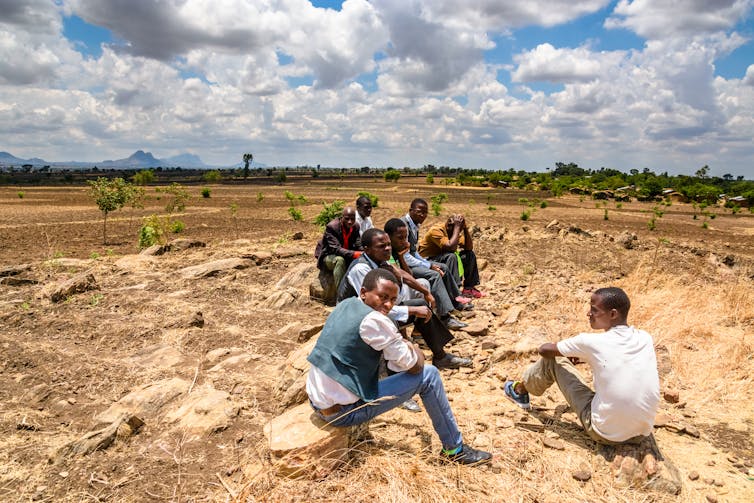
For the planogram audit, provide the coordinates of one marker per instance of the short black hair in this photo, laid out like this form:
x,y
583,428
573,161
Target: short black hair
x,y
363,199
370,235
392,225
373,277
614,298
416,202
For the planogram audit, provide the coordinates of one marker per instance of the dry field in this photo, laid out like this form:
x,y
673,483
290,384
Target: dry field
x,y
62,364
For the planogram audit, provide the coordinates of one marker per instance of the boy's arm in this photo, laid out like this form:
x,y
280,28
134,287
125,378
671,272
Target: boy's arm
x,y
549,350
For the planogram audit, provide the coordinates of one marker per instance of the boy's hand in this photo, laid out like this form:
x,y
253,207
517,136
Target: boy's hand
x,y
437,268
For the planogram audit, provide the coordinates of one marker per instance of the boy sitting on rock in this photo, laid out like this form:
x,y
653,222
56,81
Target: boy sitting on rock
x,y
343,384
626,393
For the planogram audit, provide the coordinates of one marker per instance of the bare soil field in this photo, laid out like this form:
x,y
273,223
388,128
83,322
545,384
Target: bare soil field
x,y
210,346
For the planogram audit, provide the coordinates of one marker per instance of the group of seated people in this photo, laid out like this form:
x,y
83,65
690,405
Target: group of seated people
x,y
390,278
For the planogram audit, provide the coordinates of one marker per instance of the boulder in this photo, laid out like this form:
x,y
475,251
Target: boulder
x,y
99,439
140,262
158,355
297,277
291,387
205,410
282,298
642,466
78,284
309,331
233,362
213,268
303,446
323,288
145,400
476,329
184,244
14,270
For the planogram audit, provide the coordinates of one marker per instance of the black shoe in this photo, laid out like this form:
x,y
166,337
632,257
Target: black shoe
x,y
411,405
454,324
468,456
450,361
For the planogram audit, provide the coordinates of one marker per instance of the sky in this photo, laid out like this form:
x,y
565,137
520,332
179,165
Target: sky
x,y
666,85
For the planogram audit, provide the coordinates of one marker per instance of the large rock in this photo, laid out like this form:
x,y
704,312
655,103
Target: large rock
x,y
323,288
99,439
303,446
184,244
78,284
297,277
291,387
145,400
642,466
214,268
141,262
282,298
158,355
205,410
14,270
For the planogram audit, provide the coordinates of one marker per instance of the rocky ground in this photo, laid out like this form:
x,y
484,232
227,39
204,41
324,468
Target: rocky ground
x,y
139,377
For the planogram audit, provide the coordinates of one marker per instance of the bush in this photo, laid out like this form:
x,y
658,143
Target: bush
x,y
213,176
143,177
205,192
260,197
525,215
176,227
20,194
437,201
543,204
295,213
392,175
281,178
430,178
330,212
152,231
374,199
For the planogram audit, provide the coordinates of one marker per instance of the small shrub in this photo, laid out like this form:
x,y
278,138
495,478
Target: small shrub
x,y
619,205
206,192
392,175
491,208
372,198
705,225
652,224
330,212
152,231
525,215
295,213
260,197
96,299
281,178
543,204
176,226
605,217
430,179
437,201
94,255
20,194
213,176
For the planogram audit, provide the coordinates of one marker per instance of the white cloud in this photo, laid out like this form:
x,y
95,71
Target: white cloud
x,y
659,19
546,63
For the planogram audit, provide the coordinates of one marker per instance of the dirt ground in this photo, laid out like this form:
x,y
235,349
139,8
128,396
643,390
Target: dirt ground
x,y
63,363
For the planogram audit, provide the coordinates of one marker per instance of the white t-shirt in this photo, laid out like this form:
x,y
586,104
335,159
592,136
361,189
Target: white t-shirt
x,y
364,223
626,384
380,333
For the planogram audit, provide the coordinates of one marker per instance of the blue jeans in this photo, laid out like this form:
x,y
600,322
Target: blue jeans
x,y
396,389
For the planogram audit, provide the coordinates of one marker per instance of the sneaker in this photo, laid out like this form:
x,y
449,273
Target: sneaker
x,y
467,456
521,400
473,293
454,324
450,361
411,405
463,300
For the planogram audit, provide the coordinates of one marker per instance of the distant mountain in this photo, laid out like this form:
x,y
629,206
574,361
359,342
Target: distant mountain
x,y
10,159
137,160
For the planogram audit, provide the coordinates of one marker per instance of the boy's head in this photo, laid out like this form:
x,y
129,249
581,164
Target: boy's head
x,y
398,232
418,210
379,290
364,206
608,308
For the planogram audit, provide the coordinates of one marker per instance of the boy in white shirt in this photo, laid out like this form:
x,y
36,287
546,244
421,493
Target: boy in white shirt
x,y
626,393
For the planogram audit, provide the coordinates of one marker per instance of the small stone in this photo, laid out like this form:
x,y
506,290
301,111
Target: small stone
x,y
711,462
582,475
661,420
719,483
732,459
553,443
671,396
694,475
711,498
691,431
71,400
63,474
489,345
709,481
297,236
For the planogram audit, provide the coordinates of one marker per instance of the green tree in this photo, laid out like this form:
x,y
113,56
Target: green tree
x,y
247,158
213,176
110,195
392,175
143,177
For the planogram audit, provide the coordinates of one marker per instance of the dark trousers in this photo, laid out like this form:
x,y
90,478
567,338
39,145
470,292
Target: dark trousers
x,y
470,270
434,332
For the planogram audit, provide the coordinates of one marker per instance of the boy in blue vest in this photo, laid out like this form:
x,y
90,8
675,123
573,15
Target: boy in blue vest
x,y
343,384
